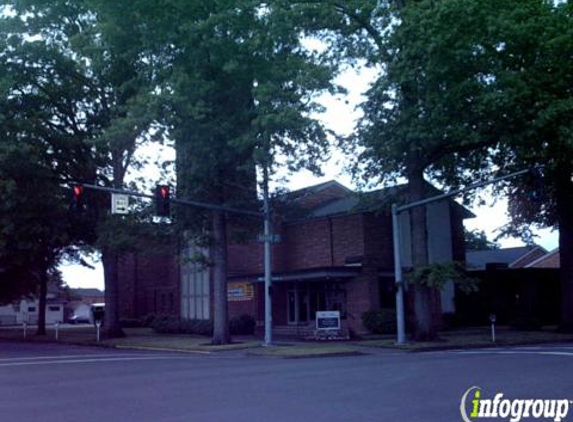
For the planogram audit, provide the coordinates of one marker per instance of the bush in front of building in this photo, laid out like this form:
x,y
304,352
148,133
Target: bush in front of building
x,y
130,322
174,325
144,321
527,323
242,325
380,321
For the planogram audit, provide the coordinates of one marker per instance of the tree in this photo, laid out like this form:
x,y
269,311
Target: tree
x,y
538,75
421,114
477,240
239,90
35,230
84,65
495,78
471,88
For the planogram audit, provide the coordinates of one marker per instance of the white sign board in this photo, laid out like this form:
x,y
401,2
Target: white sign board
x,y
119,204
328,320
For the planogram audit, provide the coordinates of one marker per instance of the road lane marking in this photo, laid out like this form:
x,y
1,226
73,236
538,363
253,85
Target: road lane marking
x,y
69,356
75,361
515,352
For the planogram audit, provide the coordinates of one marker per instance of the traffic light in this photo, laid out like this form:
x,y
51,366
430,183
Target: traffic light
x,y
537,193
162,195
78,200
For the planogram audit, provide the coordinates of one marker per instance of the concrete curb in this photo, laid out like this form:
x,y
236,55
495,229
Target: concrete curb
x,y
308,356
161,349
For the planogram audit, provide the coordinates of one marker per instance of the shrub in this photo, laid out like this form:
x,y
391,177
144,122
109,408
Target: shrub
x,y
380,321
130,322
174,325
242,325
523,322
147,320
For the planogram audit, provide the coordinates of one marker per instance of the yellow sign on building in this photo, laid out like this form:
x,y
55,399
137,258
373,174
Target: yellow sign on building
x,y
238,292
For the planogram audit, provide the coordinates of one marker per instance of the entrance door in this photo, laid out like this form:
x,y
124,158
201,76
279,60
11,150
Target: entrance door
x,y
298,305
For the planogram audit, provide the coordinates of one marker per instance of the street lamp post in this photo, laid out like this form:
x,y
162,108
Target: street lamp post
x,y
268,279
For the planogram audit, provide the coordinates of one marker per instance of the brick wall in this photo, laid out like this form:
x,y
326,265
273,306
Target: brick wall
x,y
149,284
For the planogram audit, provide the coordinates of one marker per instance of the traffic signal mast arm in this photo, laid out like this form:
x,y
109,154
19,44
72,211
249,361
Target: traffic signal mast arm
x,y
175,201
466,189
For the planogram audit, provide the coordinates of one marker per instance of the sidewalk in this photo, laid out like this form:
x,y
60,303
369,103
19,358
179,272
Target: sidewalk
x,y
248,346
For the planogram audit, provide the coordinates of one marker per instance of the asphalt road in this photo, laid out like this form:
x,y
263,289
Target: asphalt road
x,y
40,382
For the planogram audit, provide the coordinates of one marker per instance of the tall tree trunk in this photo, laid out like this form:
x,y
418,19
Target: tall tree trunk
x,y
221,323
43,279
425,328
564,199
112,327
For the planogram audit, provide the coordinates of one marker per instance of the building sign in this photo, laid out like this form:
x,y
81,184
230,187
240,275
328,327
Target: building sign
x,y
328,320
238,292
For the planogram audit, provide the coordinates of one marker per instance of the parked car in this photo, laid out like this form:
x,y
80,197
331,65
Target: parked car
x,y
79,319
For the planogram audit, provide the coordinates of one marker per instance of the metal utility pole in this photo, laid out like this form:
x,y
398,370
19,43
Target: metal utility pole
x,y
396,210
268,277
400,329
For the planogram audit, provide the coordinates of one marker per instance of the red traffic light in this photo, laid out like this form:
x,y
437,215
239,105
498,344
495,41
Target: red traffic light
x,y
162,196
78,203
164,191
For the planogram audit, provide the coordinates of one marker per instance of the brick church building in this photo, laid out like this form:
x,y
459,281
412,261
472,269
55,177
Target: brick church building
x,y
335,253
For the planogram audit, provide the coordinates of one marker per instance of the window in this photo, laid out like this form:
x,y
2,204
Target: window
x,y
54,308
195,291
31,309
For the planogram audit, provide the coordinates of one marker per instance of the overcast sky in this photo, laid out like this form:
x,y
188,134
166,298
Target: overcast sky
x,y
340,116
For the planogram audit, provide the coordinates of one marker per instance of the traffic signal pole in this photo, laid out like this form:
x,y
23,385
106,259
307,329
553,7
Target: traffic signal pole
x,y
268,276
398,273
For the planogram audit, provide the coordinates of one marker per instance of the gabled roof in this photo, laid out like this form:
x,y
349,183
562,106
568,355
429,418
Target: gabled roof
x,y
524,260
87,292
309,190
344,201
478,259
360,202
549,260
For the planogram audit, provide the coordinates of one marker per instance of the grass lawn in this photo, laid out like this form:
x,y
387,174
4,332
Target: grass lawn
x,y
177,342
145,338
301,349
135,338
475,337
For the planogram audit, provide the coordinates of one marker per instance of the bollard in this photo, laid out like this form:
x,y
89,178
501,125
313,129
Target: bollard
x,y
492,319
57,326
25,326
98,324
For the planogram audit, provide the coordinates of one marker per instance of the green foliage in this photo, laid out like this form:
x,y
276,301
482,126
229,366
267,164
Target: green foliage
x,y
380,321
477,240
174,325
527,323
437,275
242,325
